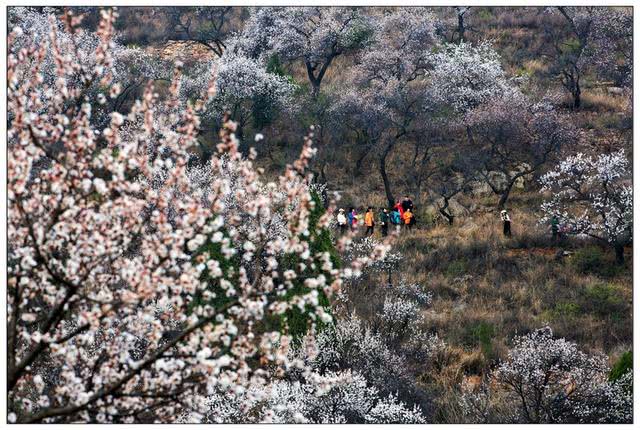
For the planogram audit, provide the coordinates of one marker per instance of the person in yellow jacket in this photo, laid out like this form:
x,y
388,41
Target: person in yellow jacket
x,y
407,217
368,221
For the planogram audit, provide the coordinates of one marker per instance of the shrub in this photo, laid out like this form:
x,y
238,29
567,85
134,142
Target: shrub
x,y
603,299
622,366
589,260
456,268
297,324
566,309
482,334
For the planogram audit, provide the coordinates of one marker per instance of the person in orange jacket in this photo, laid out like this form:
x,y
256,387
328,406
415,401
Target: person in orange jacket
x,y
407,217
368,221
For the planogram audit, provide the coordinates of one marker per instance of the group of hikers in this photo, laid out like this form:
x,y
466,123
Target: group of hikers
x,y
400,216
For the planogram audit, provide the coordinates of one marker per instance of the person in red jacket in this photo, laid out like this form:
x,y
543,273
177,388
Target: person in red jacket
x,y
400,209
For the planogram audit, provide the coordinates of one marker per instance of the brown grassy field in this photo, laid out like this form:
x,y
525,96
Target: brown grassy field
x,y
487,288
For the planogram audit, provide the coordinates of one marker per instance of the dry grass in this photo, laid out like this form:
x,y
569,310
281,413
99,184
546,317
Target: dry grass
x,y
488,288
598,100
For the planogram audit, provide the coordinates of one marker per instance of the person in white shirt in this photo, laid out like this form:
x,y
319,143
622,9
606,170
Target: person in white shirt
x,y
342,221
506,223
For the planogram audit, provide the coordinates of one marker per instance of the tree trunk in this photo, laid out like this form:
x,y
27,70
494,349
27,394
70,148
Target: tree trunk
x,y
470,136
323,180
576,96
383,172
575,88
619,254
358,170
460,27
449,217
504,195
445,213
315,90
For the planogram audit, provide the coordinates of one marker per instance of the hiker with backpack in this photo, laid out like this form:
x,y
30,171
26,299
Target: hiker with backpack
x,y
407,204
400,209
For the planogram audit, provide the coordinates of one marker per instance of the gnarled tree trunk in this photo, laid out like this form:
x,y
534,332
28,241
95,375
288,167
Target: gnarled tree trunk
x,y
383,171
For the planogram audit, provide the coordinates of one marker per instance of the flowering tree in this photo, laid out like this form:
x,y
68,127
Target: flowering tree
x,y
391,347
464,76
592,196
332,398
314,35
579,38
515,137
549,380
348,373
612,47
468,82
363,247
243,88
129,290
130,70
387,89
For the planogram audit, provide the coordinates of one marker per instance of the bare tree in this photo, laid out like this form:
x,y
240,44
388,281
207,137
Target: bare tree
x,y
578,39
208,26
514,137
453,173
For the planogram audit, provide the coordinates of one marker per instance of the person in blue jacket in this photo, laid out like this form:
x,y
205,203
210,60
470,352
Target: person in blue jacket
x,y
395,218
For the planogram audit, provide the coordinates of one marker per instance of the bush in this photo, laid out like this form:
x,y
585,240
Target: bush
x,y
481,334
456,268
603,299
589,260
427,218
566,310
622,366
295,319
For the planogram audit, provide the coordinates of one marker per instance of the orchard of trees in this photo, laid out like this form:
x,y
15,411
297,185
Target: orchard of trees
x,y
172,251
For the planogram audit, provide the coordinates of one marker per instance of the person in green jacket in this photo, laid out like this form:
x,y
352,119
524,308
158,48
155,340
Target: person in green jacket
x,y
384,221
555,224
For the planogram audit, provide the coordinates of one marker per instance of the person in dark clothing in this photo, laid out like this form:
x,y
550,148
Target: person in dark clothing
x,y
407,204
506,223
555,226
384,221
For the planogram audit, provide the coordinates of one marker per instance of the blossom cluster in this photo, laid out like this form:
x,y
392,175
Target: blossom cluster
x,y
549,380
592,196
130,286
